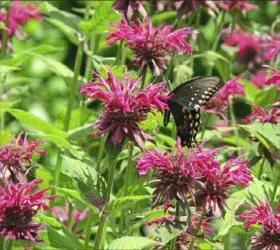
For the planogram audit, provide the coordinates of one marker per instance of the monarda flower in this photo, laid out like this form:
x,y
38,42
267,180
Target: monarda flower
x,y
220,101
63,215
218,182
242,6
128,7
125,107
151,46
250,48
20,14
272,47
260,115
18,206
269,220
174,177
16,156
274,78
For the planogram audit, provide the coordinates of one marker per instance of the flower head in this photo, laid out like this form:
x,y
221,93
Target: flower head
x,y
16,156
125,107
260,114
220,101
242,6
250,48
19,15
270,222
174,177
151,46
274,78
17,208
272,47
63,215
218,182
128,7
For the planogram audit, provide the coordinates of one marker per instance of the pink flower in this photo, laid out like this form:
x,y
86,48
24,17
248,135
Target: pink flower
x,y
19,14
184,7
250,48
220,102
218,182
273,47
151,46
63,215
16,156
237,5
174,177
275,78
270,222
125,107
17,208
260,114
259,79
128,7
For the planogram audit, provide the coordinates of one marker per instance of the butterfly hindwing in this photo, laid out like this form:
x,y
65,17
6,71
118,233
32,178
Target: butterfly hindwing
x,y
186,102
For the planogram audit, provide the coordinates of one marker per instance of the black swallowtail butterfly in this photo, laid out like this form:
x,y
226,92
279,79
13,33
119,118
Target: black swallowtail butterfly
x,y
186,102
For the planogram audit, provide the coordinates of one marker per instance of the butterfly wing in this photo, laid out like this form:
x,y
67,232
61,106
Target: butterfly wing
x,y
186,102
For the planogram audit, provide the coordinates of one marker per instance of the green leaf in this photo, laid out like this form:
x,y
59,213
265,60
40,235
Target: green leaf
x,y
211,56
68,31
63,239
77,196
36,122
3,26
7,105
265,97
168,233
5,137
126,202
49,220
154,214
57,67
65,17
132,243
100,21
267,133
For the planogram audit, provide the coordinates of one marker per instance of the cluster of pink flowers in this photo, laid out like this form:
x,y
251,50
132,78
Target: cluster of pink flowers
x,y
151,46
17,205
259,114
220,102
19,14
16,156
197,173
125,107
17,209
253,50
263,215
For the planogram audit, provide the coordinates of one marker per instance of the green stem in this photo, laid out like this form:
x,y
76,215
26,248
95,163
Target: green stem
x,y
99,158
177,218
5,36
2,78
233,122
70,217
119,53
205,127
88,229
126,184
9,245
261,169
77,68
276,185
144,75
113,163
227,241
244,247
197,229
1,242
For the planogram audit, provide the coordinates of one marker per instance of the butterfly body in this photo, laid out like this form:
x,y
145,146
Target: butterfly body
x,y
186,101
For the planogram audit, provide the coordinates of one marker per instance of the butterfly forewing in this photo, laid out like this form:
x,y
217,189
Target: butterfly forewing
x,y
186,102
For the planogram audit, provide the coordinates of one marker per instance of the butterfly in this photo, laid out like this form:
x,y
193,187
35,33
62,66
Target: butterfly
x,y
186,101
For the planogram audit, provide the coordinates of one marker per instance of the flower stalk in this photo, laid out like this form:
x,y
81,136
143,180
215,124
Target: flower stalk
x,y
197,229
177,218
112,167
128,176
